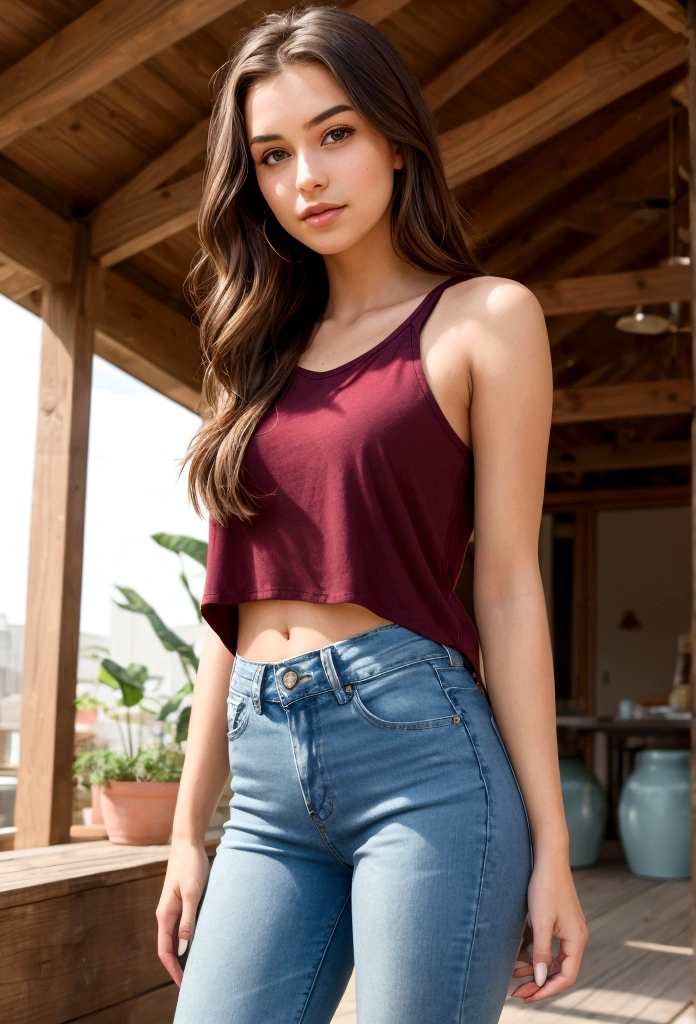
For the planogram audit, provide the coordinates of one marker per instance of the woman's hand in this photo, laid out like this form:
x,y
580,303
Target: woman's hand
x,y
554,909
185,880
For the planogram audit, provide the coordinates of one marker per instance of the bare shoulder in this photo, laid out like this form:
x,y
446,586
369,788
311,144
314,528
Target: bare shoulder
x,y
502,318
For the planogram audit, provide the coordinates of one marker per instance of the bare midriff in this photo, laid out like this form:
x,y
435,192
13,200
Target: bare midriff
x,y
274,629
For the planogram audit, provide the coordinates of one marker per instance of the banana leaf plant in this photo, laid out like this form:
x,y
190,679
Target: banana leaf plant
x,y
130,679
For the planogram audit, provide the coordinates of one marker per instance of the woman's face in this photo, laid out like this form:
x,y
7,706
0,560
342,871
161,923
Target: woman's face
x,y
326,175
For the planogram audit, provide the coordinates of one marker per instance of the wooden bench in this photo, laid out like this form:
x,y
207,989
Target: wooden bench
x,y
78,934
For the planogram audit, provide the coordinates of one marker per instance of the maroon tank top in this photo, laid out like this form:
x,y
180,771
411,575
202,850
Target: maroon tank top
x,y
366,496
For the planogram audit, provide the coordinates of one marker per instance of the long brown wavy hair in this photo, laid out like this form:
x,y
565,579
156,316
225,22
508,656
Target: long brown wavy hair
x,y
256,307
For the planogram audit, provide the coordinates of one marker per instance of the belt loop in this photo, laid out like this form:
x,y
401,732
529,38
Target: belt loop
x,y
455,657
332,675
256,698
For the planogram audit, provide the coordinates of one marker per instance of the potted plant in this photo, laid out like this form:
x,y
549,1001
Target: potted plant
x,y
87,709
138,793
84,766
137,787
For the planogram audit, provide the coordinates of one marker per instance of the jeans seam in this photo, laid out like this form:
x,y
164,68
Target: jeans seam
x,y
322,958
364,713
519,788
483,871
365,679
316,821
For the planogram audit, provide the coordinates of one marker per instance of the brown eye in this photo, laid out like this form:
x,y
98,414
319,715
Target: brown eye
x,y
266,159
342,132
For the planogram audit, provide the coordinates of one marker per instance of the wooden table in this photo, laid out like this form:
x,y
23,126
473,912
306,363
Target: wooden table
x,y
611,735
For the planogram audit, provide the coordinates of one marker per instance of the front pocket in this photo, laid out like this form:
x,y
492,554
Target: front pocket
x,y
237,715
409,697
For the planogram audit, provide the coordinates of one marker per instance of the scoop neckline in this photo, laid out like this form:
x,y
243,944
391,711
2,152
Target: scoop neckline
x,y
380,344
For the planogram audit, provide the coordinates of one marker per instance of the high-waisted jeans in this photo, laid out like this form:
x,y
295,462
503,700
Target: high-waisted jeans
x,y
375,822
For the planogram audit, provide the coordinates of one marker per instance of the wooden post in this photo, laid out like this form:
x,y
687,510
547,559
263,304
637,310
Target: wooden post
x,y
691,30
43,810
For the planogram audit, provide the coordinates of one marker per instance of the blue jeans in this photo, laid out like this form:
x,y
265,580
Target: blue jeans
x,y
375,822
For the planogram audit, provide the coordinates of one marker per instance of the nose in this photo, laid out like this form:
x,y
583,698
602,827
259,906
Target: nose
x,y
310,174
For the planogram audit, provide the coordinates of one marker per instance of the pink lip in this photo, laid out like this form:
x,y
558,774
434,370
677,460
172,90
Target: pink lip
x,y
322,217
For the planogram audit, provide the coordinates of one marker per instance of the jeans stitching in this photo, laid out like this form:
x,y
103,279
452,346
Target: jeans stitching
x,y
519,789
240,720
483,871
316,821
322,958
364,679
381,723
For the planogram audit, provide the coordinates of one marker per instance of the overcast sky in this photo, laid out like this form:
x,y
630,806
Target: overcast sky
x,y
136,436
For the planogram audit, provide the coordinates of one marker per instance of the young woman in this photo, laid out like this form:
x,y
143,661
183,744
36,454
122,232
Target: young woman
x,y
359,363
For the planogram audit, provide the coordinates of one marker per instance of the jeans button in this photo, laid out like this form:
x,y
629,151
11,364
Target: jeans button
x,y
290,679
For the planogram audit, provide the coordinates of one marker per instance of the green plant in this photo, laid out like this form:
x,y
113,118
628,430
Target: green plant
x,y
154,764
129,681
179,544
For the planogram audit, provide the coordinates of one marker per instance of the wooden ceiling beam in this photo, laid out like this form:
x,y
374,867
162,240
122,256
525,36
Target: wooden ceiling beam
x,y
15,283
563,160
375,11
104,43
607,457
138,365
142,220
633,53
619,401
514,30
669,13
605,291
150,331
34,238
562,325
600,213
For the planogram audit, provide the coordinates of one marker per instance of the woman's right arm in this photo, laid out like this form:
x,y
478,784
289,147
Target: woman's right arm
x,y
205,771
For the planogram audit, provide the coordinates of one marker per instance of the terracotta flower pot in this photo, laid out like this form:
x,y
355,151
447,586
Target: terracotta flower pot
x,y
139,813
97,813
87,716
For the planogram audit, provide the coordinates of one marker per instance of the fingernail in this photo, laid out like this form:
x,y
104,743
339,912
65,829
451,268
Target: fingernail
x,y
540,973
183,943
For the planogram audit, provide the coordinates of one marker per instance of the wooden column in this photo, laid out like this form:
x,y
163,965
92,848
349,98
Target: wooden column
x,y
691,7
43,811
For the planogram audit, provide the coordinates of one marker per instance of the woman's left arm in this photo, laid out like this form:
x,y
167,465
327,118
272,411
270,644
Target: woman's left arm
x,y
511,386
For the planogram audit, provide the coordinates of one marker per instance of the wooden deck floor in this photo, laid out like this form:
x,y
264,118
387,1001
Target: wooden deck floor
x,y
638,962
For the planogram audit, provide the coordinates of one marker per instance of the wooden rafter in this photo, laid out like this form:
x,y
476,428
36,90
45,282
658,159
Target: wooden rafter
x,y
597,213
563,160
633,53
33,237
618,401
604,291
156,343
102,44
603,457
514,30
670,13
150,331
376,10
144,219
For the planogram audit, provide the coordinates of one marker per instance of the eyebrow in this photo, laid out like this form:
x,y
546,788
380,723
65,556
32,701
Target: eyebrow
x,y
337,109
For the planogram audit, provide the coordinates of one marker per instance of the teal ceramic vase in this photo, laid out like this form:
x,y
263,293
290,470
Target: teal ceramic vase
x,y
585,805
655,815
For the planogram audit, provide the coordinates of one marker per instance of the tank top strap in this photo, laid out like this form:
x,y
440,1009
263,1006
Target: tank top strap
x,y
430,301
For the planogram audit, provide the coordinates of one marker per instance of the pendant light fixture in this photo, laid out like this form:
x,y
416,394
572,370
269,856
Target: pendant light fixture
x,y
639,322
